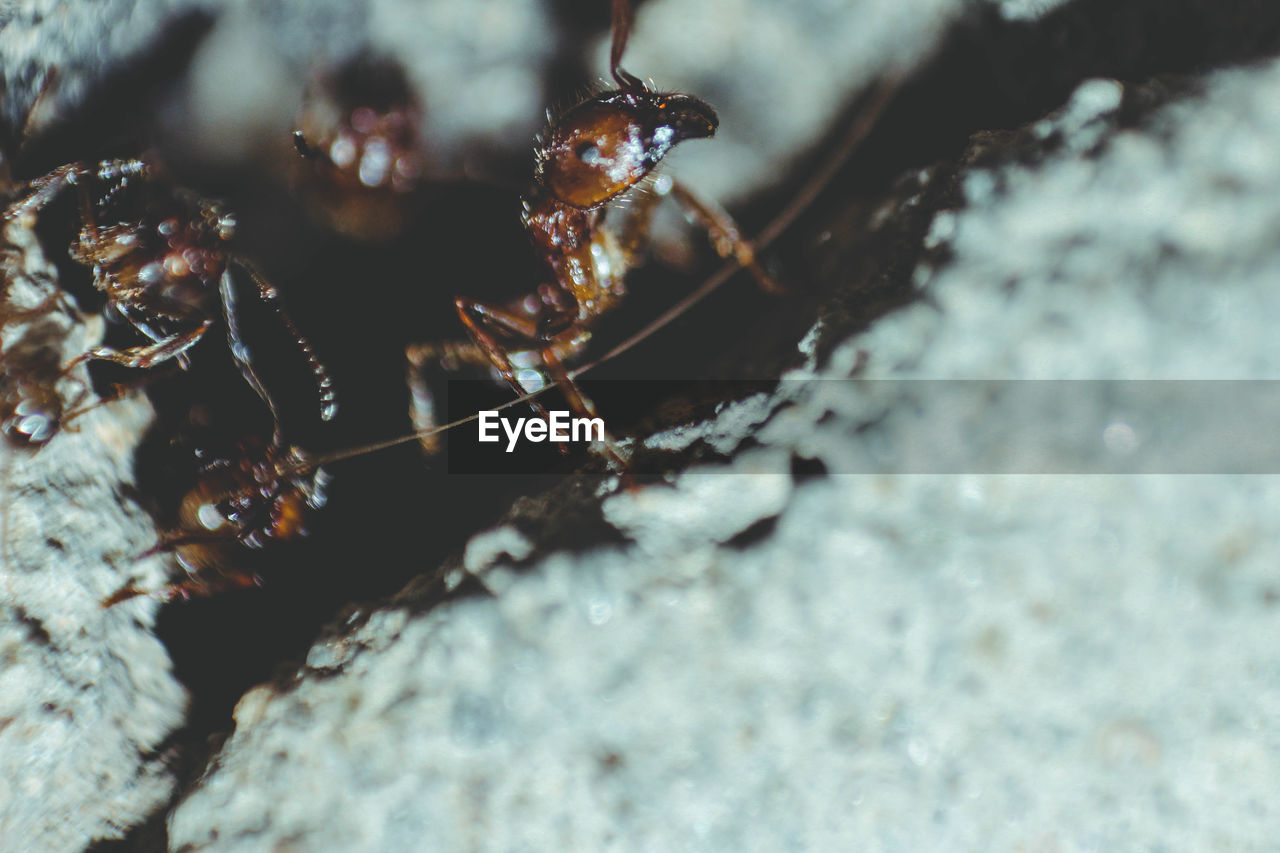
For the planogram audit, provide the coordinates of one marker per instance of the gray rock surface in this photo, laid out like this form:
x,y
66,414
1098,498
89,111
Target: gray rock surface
x,y
86,695
881,662
778,74
53,54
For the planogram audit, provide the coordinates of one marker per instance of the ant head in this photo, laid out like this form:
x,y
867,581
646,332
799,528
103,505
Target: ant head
x,y
606,145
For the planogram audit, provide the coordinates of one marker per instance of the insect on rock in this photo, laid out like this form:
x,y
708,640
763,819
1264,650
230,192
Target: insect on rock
x,y
588,219
162,258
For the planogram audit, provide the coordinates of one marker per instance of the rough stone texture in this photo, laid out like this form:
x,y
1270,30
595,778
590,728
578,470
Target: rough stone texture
x,y
86,695
54,53
778,74
885,662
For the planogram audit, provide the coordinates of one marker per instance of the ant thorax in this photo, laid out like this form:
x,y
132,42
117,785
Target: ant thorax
x,y
583,258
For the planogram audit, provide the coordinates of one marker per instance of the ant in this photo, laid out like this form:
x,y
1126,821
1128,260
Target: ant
x,y
256,494
160,270
34,324
591,166
358,133
31,408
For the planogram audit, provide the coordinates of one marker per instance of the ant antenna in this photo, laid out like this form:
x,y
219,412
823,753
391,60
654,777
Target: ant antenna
x,y
364,450
324,382
623,19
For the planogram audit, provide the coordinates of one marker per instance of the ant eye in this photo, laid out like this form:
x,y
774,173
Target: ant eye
x,y
588,152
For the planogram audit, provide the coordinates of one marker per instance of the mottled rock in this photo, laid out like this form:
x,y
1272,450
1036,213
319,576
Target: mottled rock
x,y
87,698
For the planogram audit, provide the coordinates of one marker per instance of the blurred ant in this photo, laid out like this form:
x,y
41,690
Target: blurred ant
x,y
591,162
160,270
31,408
256,494
33,336
358,133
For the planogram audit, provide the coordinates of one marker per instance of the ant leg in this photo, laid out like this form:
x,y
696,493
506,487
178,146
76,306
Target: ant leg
x,y
475,316
581,404
41,112
143,356
723,232
240,353
163,349
142,310
447,357
48,187
185,589
45,189
119,390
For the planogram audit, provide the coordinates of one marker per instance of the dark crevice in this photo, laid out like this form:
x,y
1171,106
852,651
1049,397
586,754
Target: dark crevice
x,y
804,469
35,628
753,535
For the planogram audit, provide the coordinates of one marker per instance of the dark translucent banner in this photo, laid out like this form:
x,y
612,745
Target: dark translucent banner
x,y
900,426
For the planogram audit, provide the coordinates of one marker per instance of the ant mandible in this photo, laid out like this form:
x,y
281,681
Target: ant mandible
x,y
160,270
592,158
